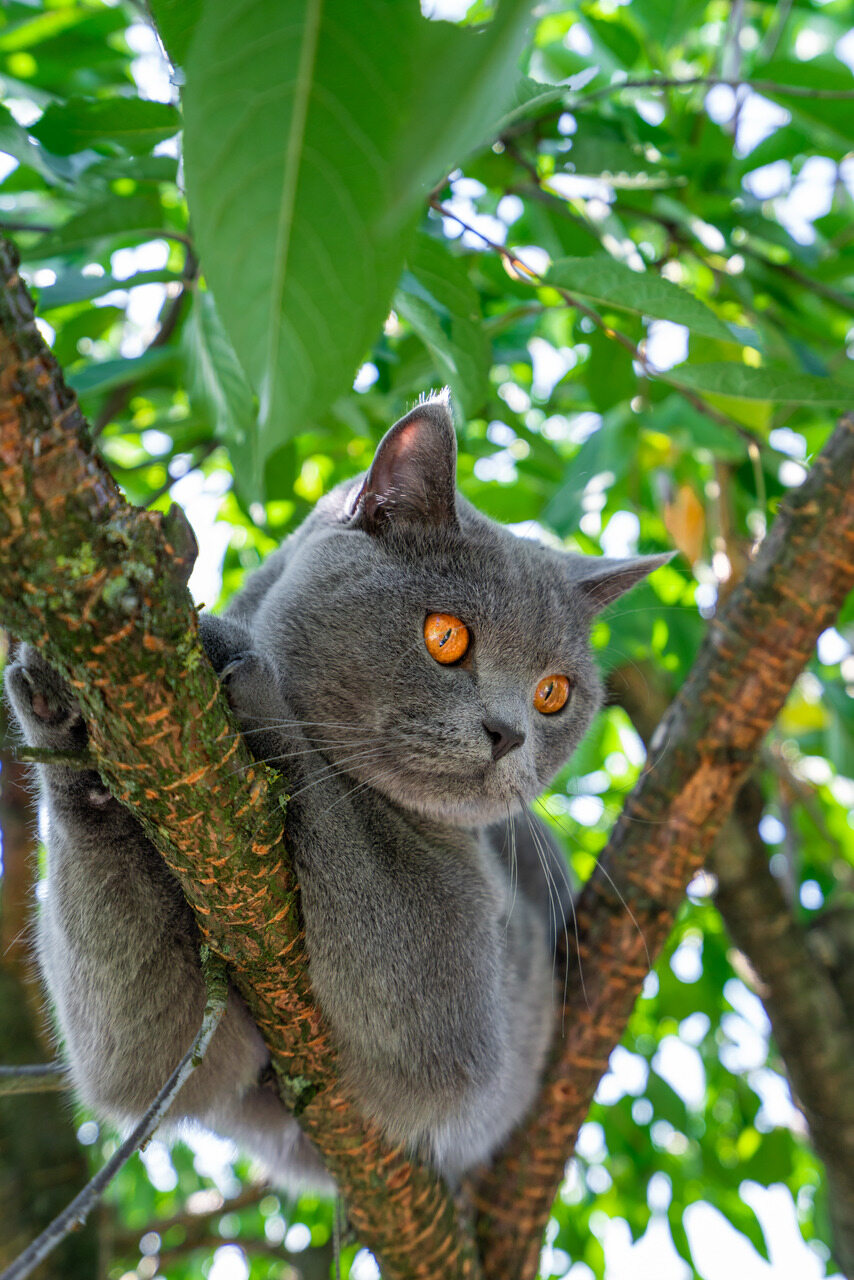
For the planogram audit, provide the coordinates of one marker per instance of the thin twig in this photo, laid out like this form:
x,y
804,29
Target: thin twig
x,y
695,82
126,1240
205,452
525,273
81,1206
44,1077
12,224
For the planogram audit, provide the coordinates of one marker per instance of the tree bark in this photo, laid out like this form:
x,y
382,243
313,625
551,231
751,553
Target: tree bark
x,y
808,1017
798,972
698,759
101,588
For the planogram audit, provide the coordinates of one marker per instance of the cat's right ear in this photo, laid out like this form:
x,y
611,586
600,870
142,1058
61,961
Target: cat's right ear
x,y
413,474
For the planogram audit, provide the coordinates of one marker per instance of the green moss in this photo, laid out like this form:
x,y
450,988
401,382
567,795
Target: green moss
x,y
80,565
297,1091
114,589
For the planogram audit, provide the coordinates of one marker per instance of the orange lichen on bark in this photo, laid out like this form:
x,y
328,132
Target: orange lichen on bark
x,y
94,582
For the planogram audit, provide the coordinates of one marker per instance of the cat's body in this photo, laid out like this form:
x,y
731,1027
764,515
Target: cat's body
x,y
430,944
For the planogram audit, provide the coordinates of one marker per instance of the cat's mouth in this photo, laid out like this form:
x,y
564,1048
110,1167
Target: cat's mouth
x,y
464,797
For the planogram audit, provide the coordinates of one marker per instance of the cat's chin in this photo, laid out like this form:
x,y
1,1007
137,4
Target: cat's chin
x,y
461,810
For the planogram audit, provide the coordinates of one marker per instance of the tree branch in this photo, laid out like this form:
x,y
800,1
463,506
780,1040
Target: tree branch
x,y
100,586
47,1077
813,1028
808,1018
698,759
694,82
525,273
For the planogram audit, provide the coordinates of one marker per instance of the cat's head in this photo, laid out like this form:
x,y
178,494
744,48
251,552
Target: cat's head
x,y
432,654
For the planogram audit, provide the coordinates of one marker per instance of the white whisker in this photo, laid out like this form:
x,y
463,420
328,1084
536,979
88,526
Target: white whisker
x,y
605,872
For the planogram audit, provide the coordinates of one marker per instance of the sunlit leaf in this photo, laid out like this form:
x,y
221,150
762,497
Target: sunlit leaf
x,y
743,382
330,138
603,280
134,124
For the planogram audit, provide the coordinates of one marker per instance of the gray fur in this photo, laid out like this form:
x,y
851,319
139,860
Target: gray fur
x,y
433,968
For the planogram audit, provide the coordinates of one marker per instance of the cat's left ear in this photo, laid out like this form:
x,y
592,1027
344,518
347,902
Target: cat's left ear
x,y
601,580
414,471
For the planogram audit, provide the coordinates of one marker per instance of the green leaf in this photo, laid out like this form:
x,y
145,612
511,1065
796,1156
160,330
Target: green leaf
x,y
839,735
107,374
678,1232
134,124
692,430
609,373
73,286
330,138
601,279
667,21
118,217
744,1219
725,378
833,114
219,390
531,97
443,307
607,450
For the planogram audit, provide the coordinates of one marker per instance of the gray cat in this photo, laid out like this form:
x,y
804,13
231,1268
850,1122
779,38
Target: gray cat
x,y
419,674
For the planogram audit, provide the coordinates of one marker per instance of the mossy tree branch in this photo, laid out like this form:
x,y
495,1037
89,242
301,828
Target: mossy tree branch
x,y
699,757
100,587
812,1023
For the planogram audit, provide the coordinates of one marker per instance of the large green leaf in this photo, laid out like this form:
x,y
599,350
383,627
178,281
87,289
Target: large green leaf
x,y
330,139
15,141
176,21
725,378
134,124
607,450
824,73
602,279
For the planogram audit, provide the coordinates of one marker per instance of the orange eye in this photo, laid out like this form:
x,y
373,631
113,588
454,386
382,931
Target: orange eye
x,y
446,638
551,694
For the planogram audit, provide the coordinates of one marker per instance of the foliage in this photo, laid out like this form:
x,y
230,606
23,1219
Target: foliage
x,y
644,328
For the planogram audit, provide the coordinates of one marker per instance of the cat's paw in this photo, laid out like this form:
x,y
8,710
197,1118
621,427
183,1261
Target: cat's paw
x,y
43,703
248,679
250,684
223,640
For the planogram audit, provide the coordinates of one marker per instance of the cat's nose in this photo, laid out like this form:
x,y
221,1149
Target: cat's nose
x,y
503,737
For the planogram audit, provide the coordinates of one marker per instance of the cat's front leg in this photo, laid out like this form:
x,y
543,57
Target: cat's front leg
x,y
117,943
